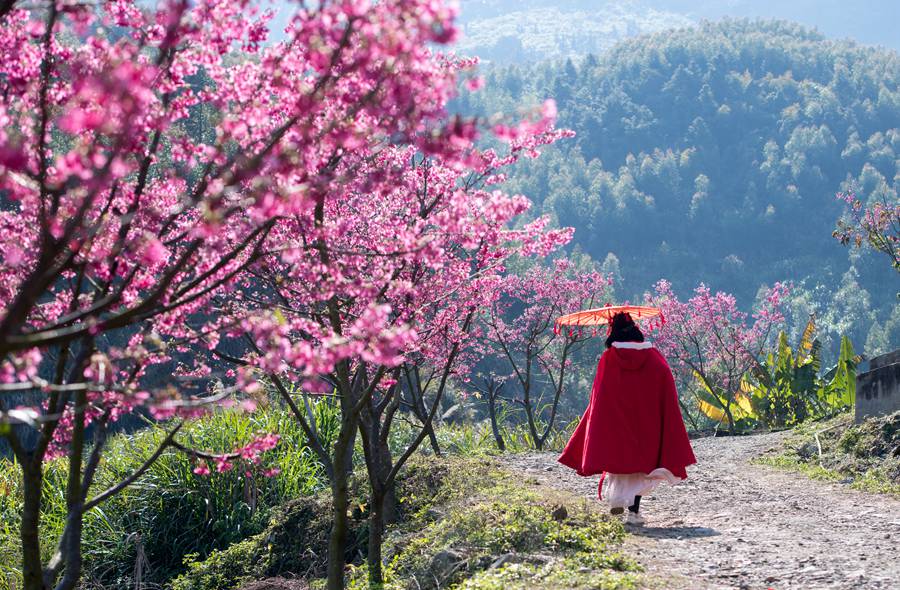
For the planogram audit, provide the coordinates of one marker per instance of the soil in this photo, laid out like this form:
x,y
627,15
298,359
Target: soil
x,y
735,525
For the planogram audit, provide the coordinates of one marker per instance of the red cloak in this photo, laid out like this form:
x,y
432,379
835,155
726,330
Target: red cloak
x,y
633,423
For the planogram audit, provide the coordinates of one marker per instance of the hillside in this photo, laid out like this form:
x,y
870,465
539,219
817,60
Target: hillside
x,y
713,154
522,31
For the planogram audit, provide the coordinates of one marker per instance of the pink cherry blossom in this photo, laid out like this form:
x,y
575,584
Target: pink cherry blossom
x,y
161,166
709,338
876,225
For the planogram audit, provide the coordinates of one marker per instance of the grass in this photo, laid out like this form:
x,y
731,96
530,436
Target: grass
x,y
464,522
478,440
866,456
227,529
473,525
170,512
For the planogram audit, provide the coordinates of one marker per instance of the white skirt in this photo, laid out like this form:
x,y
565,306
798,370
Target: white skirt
x,y
621,488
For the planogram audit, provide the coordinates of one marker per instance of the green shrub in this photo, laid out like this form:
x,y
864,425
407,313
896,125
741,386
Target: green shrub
x,y
865,455
171,512
470,524
294,542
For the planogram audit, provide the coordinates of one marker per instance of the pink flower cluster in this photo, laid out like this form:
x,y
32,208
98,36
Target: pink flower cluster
x,y
710,335
876,225
181,189
522,318
249,455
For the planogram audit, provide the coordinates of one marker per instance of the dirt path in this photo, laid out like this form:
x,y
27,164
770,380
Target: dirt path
x,y
737,525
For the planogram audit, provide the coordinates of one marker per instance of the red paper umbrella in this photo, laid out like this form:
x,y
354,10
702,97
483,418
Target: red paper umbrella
x,y
602,316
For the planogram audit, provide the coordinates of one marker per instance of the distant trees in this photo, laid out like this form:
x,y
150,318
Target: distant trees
x,y
722,140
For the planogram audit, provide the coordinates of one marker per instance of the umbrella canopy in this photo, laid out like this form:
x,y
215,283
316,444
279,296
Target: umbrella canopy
x,y
603,315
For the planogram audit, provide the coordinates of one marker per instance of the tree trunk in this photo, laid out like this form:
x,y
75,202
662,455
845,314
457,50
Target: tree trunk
x,y
559,388
731,427
495,428
32,569
388,502
71,548
71,542
340,527
421,412
685,412
536,441
382,498
376,540
340,502
432,438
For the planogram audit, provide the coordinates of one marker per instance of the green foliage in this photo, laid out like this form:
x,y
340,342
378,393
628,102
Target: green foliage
x,y
170,512
863,455
839,387
227,568
52,521
694,144
469,438
294,542
177,512
464,514
713,401
785,388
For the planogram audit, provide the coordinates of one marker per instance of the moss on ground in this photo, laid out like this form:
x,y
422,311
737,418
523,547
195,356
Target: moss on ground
x,y
294,544
476,526
866,455
463,523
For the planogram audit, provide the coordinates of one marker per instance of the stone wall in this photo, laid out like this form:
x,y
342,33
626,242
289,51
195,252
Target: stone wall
x,y
878,389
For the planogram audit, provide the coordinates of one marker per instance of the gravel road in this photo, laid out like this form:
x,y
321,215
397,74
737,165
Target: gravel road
x,y
740,526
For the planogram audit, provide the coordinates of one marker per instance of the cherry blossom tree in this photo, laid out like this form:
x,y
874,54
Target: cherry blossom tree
x,y
520,332
877,225
708,339
150,159
382,280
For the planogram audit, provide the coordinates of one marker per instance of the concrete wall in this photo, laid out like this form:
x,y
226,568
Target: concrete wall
x,y
884,360
878,389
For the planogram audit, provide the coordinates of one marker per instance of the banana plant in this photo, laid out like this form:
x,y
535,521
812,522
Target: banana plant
x,y
776,389
785,387
716,404
838,385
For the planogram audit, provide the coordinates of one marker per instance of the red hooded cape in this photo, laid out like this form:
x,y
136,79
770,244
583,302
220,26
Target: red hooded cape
x,y
632,423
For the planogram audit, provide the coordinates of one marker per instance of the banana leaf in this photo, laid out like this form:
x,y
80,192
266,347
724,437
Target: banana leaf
x,y
807,341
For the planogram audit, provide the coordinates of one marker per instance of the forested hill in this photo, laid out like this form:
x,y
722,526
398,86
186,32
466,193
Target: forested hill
x,y
714,153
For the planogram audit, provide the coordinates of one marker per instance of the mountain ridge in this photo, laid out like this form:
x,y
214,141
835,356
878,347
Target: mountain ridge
x,y
713,154
527,31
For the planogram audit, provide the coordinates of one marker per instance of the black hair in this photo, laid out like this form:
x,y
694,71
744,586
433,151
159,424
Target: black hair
x,y
623,329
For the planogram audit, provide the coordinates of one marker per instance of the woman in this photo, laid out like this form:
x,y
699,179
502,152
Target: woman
x,y
632,431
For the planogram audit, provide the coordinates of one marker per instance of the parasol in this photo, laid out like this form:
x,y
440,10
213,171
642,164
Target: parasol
x,y
604,315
